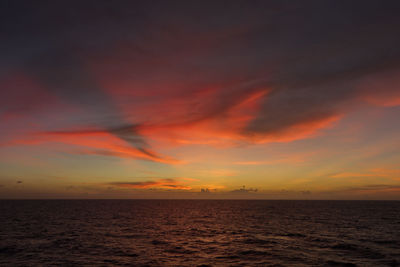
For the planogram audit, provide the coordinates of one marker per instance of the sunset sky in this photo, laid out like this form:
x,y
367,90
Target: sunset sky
x,y
161,99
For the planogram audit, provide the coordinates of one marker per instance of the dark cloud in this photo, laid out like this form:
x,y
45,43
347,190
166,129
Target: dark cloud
x,y
127,133
130,135
244,190
166,183
205,191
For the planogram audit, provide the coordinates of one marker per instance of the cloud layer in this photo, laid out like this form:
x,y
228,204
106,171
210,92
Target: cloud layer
x,y
124,77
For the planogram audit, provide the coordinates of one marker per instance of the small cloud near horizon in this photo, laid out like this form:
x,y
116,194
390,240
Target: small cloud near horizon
x,y
243,189
166,183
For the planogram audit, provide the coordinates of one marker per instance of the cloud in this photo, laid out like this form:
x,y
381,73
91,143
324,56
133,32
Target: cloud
x,y
131,154
376,172
244,190
262,72
105,144
375,188
168,183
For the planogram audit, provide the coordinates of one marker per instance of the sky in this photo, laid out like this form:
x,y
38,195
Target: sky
x,y
200,99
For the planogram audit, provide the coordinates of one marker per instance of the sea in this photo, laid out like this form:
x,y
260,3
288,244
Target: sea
x,y
199,233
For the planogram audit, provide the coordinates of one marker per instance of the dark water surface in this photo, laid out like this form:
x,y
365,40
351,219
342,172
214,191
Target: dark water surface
x,y
199,232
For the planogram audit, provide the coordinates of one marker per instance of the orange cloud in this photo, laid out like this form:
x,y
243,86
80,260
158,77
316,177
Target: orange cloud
x,y
213,125
187,120
109,145
376,172
102,142
269,162
303,129
160,183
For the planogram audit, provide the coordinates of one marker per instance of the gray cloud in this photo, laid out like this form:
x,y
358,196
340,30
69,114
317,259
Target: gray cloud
x,y
244,190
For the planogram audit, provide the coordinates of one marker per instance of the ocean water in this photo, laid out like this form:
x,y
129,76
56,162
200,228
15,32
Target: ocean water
x,y
199,233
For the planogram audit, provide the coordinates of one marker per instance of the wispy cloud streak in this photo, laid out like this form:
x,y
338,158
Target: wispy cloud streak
x,y
168,183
